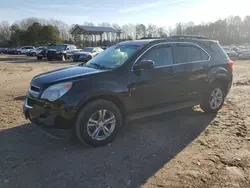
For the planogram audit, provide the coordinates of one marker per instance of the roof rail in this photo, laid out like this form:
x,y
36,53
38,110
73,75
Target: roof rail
x,y
187,37
150,38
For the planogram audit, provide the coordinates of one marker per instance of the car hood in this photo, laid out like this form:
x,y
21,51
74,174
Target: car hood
x,y
65,74
82,53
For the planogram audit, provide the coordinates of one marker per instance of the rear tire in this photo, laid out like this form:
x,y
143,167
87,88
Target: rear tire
x,y
213,99
98,123
39,58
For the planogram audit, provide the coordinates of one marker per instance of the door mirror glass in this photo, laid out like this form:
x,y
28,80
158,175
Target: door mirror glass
x,y
144,64
67,48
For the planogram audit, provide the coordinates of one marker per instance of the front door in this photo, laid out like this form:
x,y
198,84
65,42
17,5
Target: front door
x,y
157,86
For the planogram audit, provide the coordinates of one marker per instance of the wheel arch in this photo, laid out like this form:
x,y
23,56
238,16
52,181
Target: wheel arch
x,y
108,97
222,76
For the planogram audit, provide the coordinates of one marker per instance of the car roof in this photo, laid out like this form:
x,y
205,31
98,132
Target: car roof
x,y
137,42
142,42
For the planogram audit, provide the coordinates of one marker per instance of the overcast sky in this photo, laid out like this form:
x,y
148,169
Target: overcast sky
x,y
159,12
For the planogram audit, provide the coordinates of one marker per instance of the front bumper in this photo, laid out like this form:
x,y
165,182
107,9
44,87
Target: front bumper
x,y
48,114
54,56
80,58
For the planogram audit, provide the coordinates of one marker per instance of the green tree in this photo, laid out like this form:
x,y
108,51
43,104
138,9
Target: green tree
x,y
50,34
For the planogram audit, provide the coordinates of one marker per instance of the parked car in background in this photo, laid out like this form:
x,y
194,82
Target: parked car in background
x,y
41,54
61,51
244,55
5,50
24,49
104,47
8,50
2,50
36,50
14,50
87,53
128,81
232,54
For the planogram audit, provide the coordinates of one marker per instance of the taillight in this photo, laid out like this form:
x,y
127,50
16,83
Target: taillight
x,y
231,64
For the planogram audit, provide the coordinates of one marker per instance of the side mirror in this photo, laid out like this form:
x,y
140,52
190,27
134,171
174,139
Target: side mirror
x,y
67,48
144,65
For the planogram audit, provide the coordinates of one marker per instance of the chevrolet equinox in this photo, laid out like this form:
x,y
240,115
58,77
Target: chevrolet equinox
x,y
130,80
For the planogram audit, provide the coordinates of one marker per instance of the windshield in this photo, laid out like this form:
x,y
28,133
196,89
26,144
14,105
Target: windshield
x,y
113,57
40,48
57,47
87,50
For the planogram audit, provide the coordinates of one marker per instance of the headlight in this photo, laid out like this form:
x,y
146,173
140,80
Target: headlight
x,y
56,91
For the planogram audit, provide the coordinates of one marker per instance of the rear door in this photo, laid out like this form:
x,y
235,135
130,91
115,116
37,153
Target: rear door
x,y
192,65
157,86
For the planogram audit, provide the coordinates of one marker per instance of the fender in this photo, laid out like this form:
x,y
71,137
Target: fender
x,y
218,73
106,89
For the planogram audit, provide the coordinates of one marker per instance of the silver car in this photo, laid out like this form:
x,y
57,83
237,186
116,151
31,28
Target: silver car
x,y
245,55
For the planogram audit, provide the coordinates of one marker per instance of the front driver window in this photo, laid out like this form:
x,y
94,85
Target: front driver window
x,y
162,55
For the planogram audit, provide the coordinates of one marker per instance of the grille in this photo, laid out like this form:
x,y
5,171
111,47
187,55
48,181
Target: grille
x,y
34,88
51,52
32,102
76,57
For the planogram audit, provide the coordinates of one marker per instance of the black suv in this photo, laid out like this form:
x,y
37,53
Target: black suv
x,y
61,51
130,80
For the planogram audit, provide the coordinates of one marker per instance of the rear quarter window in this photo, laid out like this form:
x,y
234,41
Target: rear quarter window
x,y
217,52
185,53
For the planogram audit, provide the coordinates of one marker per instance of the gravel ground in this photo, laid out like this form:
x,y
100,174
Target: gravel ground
x,y
186,148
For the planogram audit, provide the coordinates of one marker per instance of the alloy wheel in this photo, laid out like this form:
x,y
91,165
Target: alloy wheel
x,y
216,98
101,124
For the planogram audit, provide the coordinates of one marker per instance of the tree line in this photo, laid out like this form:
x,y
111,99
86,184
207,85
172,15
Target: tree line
x,y
34,31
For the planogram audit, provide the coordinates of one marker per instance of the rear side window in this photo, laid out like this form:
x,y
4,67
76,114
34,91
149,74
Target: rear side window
x,y
189,53
217,50
162,55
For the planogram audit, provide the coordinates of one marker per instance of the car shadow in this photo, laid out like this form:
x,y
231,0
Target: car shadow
x,y
31,158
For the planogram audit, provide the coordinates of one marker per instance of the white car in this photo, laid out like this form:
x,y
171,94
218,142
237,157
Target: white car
x,y
24,49
36,51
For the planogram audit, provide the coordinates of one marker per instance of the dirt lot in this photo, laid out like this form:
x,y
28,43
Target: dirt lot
x,y
185,148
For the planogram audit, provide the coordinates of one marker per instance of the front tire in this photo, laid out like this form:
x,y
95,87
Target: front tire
x,y
213,100
98,123
63,57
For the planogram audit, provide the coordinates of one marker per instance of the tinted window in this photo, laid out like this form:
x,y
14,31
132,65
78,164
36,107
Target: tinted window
x,y
189,53
160,55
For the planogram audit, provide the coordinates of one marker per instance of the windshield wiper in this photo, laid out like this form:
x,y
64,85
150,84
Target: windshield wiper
x,y
99,66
